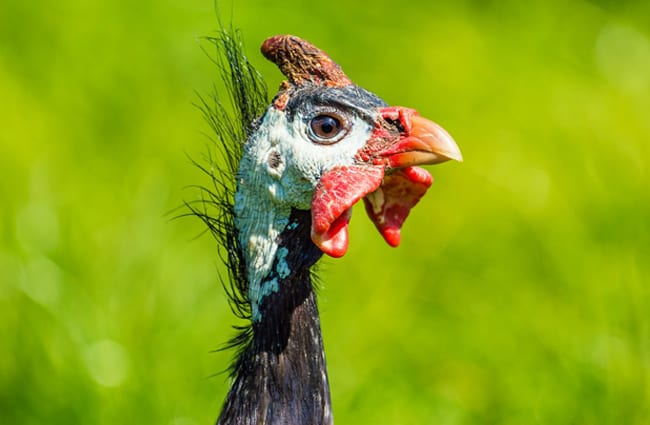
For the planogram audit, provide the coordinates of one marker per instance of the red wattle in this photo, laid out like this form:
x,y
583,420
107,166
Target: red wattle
x,y
336,192
334,242
390,204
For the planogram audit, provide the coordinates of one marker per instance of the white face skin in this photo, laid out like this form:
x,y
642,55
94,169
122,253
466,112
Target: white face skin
x,y
290,162
280,168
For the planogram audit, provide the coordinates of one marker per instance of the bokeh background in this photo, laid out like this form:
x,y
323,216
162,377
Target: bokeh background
x,y
520,294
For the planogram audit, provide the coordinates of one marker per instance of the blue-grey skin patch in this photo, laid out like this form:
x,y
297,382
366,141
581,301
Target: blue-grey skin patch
x,y
271,286
282,267
267,288
350,97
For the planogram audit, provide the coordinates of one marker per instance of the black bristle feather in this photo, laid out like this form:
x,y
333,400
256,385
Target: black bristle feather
x,y
247,99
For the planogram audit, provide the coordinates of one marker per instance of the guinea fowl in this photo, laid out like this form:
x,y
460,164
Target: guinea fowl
x,y
293,171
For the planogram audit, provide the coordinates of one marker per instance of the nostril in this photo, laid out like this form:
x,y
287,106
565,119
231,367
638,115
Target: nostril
x,y
396,123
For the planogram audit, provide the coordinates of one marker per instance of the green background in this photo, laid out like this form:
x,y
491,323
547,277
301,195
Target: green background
x,y
520,292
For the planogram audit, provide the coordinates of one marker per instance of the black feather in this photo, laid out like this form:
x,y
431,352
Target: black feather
x,y
231,124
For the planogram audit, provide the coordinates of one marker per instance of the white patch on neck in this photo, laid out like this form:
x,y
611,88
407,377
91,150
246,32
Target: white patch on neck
x,y
260,224
259,215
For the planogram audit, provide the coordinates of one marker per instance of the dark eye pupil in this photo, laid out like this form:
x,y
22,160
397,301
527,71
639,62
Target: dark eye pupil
x,y
325,126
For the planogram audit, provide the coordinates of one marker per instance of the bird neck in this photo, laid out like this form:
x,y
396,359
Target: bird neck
x,y
280,376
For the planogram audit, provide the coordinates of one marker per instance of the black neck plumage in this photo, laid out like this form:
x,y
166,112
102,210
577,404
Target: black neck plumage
x,y
281,375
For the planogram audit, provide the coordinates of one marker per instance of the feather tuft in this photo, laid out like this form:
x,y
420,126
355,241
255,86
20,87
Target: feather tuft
x,y
231,124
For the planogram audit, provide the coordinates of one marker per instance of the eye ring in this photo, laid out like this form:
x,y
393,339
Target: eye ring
x,y
326,128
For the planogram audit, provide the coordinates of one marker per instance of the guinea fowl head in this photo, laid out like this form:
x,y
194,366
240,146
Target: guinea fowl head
x,y
325,143
322,145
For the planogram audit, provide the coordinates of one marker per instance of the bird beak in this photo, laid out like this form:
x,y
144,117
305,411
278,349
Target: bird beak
x,y
420,142
385,176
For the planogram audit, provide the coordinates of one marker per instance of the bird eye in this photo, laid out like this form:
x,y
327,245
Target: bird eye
x,y
326,129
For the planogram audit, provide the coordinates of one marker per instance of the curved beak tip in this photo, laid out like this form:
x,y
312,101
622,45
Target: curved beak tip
x,y
436,139
456,155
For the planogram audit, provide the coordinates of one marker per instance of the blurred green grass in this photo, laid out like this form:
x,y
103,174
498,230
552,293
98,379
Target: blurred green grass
x,y
519,294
